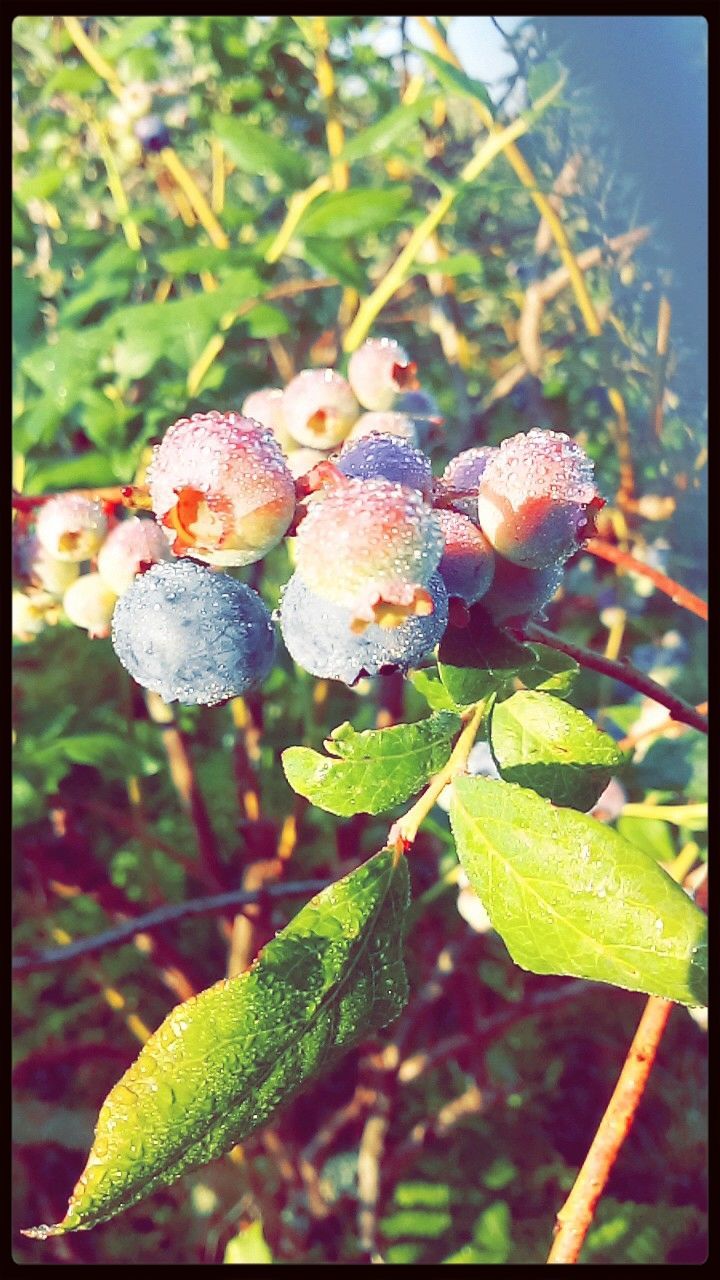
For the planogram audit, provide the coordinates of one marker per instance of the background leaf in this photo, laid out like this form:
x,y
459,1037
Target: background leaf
x,y
221,1063
568,895
375,769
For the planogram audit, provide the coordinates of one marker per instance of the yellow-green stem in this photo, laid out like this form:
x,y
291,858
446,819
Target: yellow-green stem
x,y
407,827
371,307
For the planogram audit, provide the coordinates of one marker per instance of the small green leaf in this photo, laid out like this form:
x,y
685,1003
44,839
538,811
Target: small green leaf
x,y
341,214
453,80
457,264
429,684
222,1063
547,745
248,1245
552,672
255,150
335,259
542,78
373,770
385,133
479,659
568,895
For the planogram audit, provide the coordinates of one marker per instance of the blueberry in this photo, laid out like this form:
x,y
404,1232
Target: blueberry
x,y
152,134
318,635
388,458
536,498
193,635
519,593
468,560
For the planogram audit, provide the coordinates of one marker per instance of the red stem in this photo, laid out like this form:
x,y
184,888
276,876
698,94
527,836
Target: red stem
x,y
677,593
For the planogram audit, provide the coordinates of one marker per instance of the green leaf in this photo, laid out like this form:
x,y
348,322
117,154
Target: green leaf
x,y
568,895
429,684
373,770
335,259
457,264
542,78
341,214
479,659
543,743
453,80
553,672
222,1063
384,134
255,150
248,1245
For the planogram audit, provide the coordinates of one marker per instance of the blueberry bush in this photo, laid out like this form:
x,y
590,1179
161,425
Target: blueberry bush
x,y
358,564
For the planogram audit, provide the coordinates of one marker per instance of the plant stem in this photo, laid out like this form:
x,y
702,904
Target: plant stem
x,y
574,1219
677,593
371,307
576,1215
621,671
160,917
404,831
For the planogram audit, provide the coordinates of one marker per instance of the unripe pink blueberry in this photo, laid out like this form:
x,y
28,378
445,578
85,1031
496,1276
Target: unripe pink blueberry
x,y
89,603
468,560
265,406
371,546
221,484
537,497
30,612
379,371
34,563
300,461
132,546
71,527
319,408
387,423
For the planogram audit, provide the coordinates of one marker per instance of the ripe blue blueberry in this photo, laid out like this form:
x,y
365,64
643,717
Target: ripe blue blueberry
x,y
193,635
318,635
386,457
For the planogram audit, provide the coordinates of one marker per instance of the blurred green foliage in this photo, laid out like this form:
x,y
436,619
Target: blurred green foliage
x,y
107,341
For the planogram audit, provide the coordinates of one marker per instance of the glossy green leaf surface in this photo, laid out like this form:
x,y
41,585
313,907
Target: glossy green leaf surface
x,y
569,895
543,743
370,772
221,1063
479,659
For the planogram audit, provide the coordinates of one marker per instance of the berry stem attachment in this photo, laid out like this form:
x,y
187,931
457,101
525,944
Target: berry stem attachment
x,y
403,832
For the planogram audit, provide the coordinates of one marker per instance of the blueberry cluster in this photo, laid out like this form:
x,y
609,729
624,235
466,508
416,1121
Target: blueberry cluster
x,y
384,552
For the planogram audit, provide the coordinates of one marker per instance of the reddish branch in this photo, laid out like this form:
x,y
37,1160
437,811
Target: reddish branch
x,y
576,1215
677,593
621,671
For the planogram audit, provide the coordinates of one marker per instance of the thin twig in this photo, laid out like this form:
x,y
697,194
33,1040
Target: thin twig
x,y
576,1215
623,672
161,916
677,593
184,780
